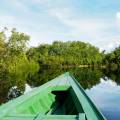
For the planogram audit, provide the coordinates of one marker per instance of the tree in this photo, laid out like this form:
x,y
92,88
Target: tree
x,y
13,58
66,54
17,42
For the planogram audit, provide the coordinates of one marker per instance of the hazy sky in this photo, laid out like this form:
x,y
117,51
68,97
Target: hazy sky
x,y
93,21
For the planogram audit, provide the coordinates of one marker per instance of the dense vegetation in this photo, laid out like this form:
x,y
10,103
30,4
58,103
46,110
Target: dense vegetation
x,y
17,62
20,62
14,64
36,65
112,59
74,53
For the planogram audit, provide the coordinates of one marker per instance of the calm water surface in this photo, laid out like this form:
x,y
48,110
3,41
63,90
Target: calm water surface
x,y
106,95
102,86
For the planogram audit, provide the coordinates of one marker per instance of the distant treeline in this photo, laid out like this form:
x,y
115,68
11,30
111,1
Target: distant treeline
x,y
71,53
112,60
17,61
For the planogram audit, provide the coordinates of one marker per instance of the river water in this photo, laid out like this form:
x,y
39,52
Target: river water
x,y
102,86
106,95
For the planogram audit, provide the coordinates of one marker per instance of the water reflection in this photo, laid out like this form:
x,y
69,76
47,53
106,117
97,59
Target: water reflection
x,y
106,95
28,88
13,92
86,77
101,85
6,85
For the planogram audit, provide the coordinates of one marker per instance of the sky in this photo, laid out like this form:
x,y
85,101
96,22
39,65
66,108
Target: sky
x,y
93,21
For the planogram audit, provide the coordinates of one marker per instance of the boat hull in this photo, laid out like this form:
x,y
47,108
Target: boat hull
x,y
60,99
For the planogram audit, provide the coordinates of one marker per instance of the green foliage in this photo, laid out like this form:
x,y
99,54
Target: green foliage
x,y
17,41
2,53
13,60
112,60
37,65
66,54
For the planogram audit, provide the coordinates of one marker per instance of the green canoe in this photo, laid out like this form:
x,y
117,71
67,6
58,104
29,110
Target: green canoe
x,y
60,99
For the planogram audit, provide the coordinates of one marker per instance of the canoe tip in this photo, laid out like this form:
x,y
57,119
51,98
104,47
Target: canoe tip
x,y
67,73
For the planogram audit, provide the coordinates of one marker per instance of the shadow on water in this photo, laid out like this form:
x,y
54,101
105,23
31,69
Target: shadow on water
x,y
7,82
86,77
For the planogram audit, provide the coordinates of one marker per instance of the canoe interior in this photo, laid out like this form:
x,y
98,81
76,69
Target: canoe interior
x,y
59,100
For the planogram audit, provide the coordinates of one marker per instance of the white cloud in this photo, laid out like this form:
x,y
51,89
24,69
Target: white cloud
x,y
41,1
118,15
7,19
81,24
40,25
118,20
94,28
106,88
108,43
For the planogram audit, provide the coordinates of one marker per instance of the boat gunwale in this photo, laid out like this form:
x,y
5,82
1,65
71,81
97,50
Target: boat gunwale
x,y
89,100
